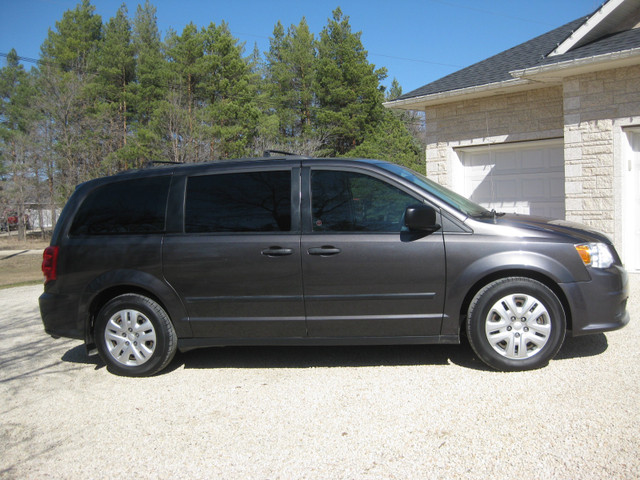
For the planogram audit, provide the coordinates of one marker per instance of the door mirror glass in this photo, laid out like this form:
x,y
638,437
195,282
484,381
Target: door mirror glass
x,y
421,218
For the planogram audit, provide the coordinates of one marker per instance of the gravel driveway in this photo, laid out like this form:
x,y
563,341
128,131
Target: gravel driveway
x,y
350,412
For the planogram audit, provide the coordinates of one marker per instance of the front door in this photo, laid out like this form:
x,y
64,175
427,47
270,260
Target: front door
x,y
364,275
237,264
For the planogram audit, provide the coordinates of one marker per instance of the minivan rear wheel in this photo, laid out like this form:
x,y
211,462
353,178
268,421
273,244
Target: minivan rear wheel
x,y
134,336
516,323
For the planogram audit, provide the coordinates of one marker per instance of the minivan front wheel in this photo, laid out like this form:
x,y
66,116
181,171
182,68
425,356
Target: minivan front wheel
x,y
516,323
134,336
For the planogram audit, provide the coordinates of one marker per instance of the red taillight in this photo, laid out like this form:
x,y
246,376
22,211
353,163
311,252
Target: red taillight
x,y
50,264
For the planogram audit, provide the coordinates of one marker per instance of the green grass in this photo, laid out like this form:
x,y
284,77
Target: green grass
x,y
19,270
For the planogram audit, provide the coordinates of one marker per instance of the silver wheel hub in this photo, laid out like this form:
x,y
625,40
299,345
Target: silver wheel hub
x,y
130,337
518,326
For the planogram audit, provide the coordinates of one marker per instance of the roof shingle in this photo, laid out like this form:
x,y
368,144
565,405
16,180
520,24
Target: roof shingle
x,y
529,54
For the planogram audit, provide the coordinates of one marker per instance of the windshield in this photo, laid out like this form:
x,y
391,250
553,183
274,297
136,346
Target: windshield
x,y
457,201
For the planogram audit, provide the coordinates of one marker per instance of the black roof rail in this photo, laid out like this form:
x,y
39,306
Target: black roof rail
x,y
151,163
268,153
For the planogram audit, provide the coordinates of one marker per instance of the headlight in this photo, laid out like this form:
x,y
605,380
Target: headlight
x,y
596,255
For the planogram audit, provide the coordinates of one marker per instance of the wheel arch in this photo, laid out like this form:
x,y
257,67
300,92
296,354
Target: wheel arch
x,y
546,280
116,283
466,280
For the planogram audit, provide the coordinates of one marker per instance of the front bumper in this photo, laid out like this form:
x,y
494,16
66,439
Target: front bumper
x,y
599,305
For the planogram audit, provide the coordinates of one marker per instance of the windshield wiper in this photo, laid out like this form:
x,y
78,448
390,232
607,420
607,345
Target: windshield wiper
x,y
489,214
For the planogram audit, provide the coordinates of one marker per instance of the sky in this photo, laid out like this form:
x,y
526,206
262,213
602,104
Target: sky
x,y
418,41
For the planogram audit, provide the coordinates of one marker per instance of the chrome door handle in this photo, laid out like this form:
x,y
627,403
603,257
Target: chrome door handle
x,y
324,251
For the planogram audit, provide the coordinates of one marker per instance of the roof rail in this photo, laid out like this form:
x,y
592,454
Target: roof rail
x,y
151,163
268,153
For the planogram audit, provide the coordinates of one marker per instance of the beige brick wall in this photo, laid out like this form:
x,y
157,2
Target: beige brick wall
x,y
530,115
595,105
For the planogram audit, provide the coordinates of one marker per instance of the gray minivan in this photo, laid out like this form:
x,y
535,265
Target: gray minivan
x,y
302,251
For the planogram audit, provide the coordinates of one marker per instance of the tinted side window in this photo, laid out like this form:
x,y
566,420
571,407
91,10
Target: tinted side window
x,y
353,202
239,202
129,206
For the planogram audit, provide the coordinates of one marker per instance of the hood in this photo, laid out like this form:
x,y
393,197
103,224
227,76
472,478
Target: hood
x,y
540,226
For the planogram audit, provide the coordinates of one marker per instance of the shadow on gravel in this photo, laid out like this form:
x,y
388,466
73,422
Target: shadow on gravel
x,y
79,355
327,357
342,356
585,346
363,356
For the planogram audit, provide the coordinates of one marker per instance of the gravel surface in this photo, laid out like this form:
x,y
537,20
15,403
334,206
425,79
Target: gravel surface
x,y
350,412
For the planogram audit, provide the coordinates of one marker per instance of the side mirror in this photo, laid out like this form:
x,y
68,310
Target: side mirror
x,y
421,218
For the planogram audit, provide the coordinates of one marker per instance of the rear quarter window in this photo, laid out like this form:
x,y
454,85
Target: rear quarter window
x,y
125,207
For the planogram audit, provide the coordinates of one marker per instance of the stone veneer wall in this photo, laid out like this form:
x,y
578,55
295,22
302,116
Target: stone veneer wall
x,y
529,115
596,108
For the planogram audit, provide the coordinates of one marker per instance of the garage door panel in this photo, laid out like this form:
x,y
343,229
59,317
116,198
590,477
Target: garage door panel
x,y
525,179
556,157
482,189
505,162
556,184
533,159
535,188
555,212
480,160
506,188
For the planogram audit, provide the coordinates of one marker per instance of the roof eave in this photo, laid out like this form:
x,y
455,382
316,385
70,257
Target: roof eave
x,y
498,88
525,79
555,72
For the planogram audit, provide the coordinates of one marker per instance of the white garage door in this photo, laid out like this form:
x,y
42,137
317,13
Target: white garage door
x,y
631,203
523,178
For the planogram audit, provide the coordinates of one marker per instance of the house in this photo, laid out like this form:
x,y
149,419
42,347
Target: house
x,y
550,127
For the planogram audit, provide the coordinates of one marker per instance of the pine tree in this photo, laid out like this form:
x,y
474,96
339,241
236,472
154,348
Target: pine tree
x,y
414,123
16,140
151,87
390,140
184,52
278,81
74,42
291,65
228,88
68,58
347,87
302,55
256,64
13,96
178,117
150,61
394,92
115,67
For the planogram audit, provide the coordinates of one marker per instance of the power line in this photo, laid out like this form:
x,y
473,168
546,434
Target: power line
x,y
22,59
29,60
415,60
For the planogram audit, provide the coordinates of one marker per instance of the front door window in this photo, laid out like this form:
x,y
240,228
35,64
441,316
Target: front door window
x,y
353,202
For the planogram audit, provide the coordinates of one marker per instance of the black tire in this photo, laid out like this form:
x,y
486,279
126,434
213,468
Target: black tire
x,y
134,336
516,323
